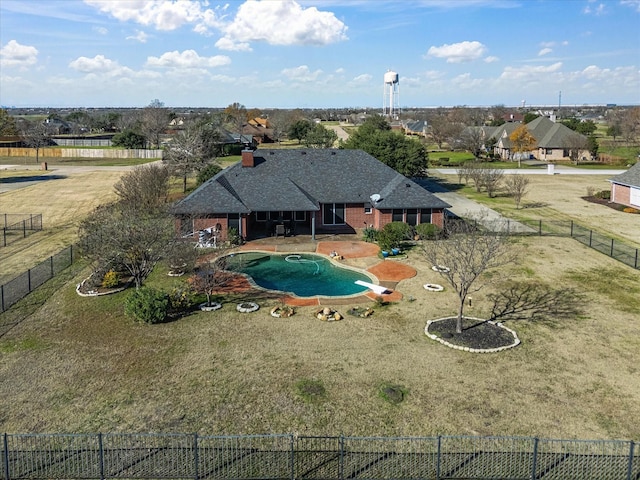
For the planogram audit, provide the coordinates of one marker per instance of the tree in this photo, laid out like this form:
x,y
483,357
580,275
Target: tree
x,y
236,114
464,256
529,117
517,187
405,155
186,153
523,141
210,277
490,179
35,135
135,232
8,125
577,145
129,139
145,188
320,137
154,122
472,139
299,129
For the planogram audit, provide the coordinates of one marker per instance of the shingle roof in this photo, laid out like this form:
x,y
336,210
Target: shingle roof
x,y
300,180
550,134
630,178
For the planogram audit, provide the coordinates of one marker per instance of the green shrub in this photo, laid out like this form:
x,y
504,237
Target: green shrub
x,y
394,233
428,231
393,394
180,299
234,237
147,305
110,279
208,172
369,234
604,194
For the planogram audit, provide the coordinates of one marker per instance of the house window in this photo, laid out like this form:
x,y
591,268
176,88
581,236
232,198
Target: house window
x,y
412,216
333,214
299,216
368,209
233,221
261,216
425,215
397,215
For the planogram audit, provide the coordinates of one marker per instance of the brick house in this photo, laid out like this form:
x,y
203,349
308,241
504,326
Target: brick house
x,y
625,188
327,191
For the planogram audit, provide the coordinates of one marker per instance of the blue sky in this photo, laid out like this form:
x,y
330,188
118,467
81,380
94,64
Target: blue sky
x,y
317,54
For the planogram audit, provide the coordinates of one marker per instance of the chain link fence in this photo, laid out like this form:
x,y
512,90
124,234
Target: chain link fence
x,y
19,287
193,456
16,226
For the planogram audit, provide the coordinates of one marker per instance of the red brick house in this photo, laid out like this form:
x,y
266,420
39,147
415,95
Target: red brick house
x,y
326,191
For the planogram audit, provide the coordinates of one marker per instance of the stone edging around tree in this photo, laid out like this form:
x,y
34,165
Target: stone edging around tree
x,y
94,293
516,340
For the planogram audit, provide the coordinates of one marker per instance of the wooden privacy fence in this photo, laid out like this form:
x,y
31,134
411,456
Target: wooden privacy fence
x,y
193,456
80,153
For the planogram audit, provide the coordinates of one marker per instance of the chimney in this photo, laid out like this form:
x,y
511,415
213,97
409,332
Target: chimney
x,y
247,158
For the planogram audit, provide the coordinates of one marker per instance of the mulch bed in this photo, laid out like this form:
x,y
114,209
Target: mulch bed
x,y
475,333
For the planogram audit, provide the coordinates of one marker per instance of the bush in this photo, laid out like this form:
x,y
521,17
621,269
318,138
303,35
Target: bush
x,y
180,299
234,237
428,231
369,234
147,305
110,279
604,194
398,232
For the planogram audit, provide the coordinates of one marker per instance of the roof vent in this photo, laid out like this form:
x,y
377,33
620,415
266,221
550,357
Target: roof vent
x,y
303,152
333,153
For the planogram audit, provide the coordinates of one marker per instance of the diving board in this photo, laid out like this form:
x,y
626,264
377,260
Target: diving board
x,y
379,289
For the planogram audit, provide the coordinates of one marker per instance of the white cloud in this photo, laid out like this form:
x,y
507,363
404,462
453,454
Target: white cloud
x,y
458,52
228,44
140,36
161,14
99,65
363,79
545,51
281,23
491,59
599,9
14,54
528,71
100,30
187,59
631,3
301,74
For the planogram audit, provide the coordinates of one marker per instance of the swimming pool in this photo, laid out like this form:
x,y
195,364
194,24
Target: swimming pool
x,y
304,275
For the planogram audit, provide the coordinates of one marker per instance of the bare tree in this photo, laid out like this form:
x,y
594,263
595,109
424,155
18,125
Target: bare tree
x,y
154,122
578,146
134,233
237,116
210,277
186,153
145,188
517,186
472,139
464,171
36,135
464,256
490,179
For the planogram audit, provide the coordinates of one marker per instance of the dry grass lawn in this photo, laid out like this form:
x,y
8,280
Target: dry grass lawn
x,y
78,364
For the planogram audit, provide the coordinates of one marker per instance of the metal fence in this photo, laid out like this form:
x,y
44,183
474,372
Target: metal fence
x,y
193,456
604,244
19,287
17,225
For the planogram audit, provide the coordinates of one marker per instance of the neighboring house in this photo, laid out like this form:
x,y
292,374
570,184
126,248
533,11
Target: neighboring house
x,y
415,127
311,191
259,129
555,140
625,188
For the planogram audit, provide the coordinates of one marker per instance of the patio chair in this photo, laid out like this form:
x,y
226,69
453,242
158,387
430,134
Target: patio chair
x,y
280,230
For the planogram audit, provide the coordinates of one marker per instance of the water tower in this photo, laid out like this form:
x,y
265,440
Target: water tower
x,y
391,97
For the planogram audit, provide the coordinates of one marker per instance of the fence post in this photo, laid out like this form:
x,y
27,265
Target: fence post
x,y
24,229
438,460
590,237
293,457
636,261
571,232
51,265
5,446
196,460
630,467
101,453
29,280
4,236
341,464
534,463
540,227
2,298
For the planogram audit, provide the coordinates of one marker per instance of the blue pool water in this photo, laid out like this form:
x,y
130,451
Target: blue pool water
x,y
304,275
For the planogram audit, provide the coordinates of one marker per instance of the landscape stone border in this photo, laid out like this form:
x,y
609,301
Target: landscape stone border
x,y
516,340
252,307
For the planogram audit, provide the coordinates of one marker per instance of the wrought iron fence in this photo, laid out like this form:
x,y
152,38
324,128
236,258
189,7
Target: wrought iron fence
x,y
19,287
16,226
193,456
598,241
